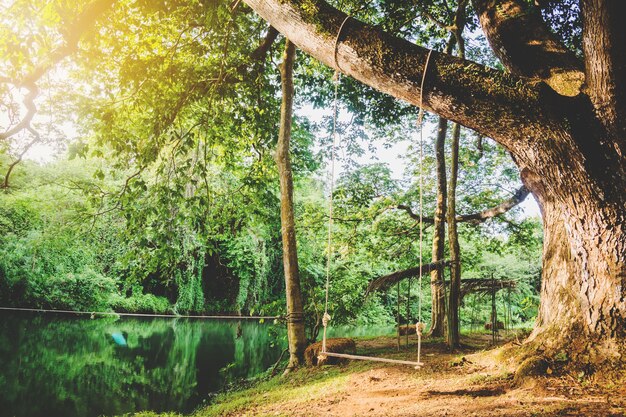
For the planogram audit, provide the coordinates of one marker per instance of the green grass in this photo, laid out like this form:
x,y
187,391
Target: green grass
x,y
303,384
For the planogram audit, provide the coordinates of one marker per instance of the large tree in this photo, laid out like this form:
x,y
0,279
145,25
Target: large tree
x,y
560,116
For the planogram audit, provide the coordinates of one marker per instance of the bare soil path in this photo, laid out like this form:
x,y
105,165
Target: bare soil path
x,y
473,382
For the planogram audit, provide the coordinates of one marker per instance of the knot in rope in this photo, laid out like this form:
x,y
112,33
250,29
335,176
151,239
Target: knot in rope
x,y
419,328
325,319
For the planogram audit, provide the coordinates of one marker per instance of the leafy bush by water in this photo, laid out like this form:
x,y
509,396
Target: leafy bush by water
x,y
139,303
86,290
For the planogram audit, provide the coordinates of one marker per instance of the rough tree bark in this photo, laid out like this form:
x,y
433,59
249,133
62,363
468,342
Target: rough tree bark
x,y
569,147
295,311
581,196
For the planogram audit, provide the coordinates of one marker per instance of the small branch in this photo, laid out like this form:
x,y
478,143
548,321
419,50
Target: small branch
x,y
31,109
280,358
345,219
37,138
118,203
479,146
261,51
475,218
436,21
233,5
407,209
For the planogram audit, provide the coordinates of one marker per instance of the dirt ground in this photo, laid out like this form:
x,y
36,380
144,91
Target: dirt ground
x,y
473,382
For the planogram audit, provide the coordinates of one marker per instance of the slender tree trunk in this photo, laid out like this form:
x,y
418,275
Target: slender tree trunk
x,y
453,239
295,312
438,312
454,331
438,309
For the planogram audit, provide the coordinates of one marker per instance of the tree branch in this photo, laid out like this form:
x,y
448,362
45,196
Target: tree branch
x,y
526,46
31,109
20,156
495,104
604,44
261,51
387,281
436,21
475,218
71,35
481,216
414,216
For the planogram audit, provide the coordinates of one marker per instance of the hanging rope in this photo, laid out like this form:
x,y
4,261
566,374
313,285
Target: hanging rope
x,y
336,78
419,327
326,317
336,48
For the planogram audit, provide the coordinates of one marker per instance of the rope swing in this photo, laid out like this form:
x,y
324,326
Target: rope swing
x,y
419,326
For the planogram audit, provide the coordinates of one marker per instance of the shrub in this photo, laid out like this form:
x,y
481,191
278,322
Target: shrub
x,y
85,291
139,303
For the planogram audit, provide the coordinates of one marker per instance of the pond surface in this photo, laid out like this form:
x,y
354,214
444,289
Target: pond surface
x,y
69,366
59,365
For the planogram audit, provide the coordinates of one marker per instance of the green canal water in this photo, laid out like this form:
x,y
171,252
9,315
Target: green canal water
x,y
59,365
55,365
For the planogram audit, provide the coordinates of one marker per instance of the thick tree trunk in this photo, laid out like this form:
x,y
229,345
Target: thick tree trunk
x,y
579,179
526,46
438,312
583,292
454,337
295,312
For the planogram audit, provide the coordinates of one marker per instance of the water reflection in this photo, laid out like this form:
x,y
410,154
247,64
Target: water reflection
x,y
59,366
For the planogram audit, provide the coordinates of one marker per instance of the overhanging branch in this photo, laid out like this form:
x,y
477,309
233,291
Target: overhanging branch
x,y
489,101
475,218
